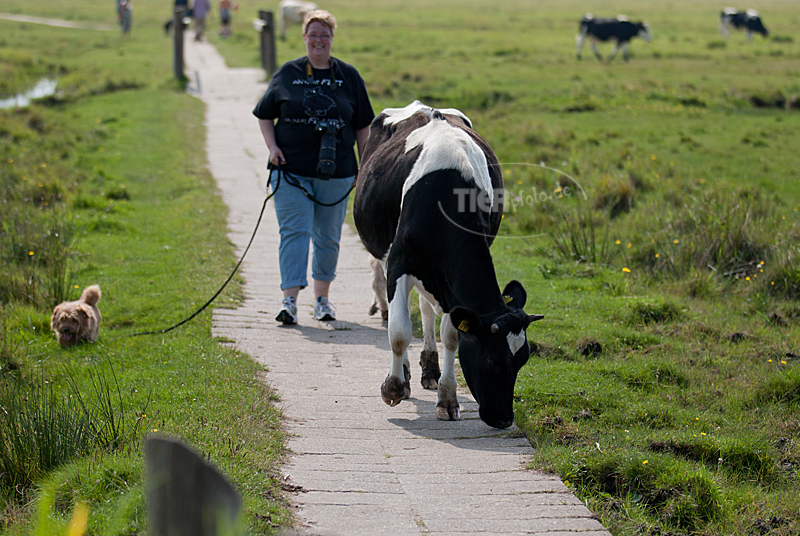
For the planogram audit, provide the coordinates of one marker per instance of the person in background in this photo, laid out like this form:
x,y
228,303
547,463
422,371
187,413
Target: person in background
x,y
225,8
309,98
200,10
126,15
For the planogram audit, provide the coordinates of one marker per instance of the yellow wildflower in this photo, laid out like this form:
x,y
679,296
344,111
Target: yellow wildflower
x,y
80,516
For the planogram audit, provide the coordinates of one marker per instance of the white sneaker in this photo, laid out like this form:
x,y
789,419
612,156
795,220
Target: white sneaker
x,y
288,312
323,310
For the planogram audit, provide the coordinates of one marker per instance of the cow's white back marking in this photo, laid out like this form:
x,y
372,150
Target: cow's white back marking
x,y
395,115
515,341
447,147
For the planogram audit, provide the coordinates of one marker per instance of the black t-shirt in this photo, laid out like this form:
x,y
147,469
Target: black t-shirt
x,y
299,104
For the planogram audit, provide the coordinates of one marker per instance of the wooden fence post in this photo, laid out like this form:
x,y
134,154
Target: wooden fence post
x,y
177,58
185,495
267,28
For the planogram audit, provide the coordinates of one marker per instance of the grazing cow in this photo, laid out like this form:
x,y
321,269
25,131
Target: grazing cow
x,y
292,12
428,204
748,20
619,30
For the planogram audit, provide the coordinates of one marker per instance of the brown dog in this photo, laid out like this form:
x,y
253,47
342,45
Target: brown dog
x,y
77,321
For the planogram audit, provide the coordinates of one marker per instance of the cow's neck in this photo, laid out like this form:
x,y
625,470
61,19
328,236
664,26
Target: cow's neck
x,y
474,284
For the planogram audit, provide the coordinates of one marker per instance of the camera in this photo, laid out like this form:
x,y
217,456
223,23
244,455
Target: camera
x,y
327,148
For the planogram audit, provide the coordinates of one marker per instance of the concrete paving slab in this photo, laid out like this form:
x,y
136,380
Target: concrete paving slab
x,y
366,468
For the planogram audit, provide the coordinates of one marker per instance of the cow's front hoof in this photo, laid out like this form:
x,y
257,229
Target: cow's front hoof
x,y
393,391
448,412
429,361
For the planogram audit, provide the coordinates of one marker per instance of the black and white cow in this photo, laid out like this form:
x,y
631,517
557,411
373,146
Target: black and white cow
x,y
619,30
292,12
428,204
748,20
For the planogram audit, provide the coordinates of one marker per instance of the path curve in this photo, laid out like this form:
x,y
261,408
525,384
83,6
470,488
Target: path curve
x,y
363,468
59,23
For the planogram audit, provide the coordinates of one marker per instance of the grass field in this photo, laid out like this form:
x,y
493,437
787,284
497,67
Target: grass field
x,y
654,223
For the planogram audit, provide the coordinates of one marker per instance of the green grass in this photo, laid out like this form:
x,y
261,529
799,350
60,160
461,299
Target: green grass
x,y
106,183
664,382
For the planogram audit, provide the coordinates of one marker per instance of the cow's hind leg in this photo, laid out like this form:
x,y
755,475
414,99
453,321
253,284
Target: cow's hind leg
x,y
596,52
614,52
397,385
447,408
379,289
429,358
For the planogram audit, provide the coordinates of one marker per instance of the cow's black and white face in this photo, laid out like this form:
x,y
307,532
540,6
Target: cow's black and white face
x,y
644,32
492,352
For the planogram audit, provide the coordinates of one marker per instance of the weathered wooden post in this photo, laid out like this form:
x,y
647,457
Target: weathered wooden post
x,y
177,59
185,495
265,24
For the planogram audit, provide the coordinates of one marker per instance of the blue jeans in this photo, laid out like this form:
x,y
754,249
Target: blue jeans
x,y
301,220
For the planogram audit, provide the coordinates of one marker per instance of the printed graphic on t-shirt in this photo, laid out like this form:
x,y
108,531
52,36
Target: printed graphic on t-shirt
x,y
316,103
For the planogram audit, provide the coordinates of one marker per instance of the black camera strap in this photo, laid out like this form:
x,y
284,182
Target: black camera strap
x,y
294,182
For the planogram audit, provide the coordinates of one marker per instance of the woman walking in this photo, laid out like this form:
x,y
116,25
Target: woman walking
x,y
313,102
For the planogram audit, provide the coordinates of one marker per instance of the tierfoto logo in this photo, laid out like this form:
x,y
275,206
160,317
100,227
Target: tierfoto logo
x,y
474,199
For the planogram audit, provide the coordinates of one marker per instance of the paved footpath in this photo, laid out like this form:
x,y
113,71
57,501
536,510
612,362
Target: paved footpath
x,y
360,467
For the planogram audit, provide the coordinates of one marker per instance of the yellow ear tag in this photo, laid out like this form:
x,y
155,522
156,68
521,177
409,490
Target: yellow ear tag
x,y
464,326
508,299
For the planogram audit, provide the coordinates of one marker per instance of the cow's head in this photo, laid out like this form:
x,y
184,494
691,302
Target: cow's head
x,y
755,25
491,353
644,31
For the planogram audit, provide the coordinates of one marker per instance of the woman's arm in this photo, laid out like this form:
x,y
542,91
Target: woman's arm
x,y
361,140
268,131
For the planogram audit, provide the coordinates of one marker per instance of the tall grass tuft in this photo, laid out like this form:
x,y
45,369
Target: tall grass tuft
x,y
42,428
728,232
683,497
11,350
36,251
39,430
580,238
782,277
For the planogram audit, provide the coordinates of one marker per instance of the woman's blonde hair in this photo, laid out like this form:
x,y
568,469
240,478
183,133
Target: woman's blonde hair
x,y
321,16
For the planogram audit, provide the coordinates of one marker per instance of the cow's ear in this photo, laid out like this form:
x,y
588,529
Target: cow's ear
x,y
514,295
465,320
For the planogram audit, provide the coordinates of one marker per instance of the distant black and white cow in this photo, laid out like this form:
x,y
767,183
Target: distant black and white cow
x,y
619,30
293,12
428,204
748,20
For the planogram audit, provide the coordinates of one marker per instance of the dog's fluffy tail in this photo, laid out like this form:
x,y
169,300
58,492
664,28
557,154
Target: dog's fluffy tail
x,y
91,295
